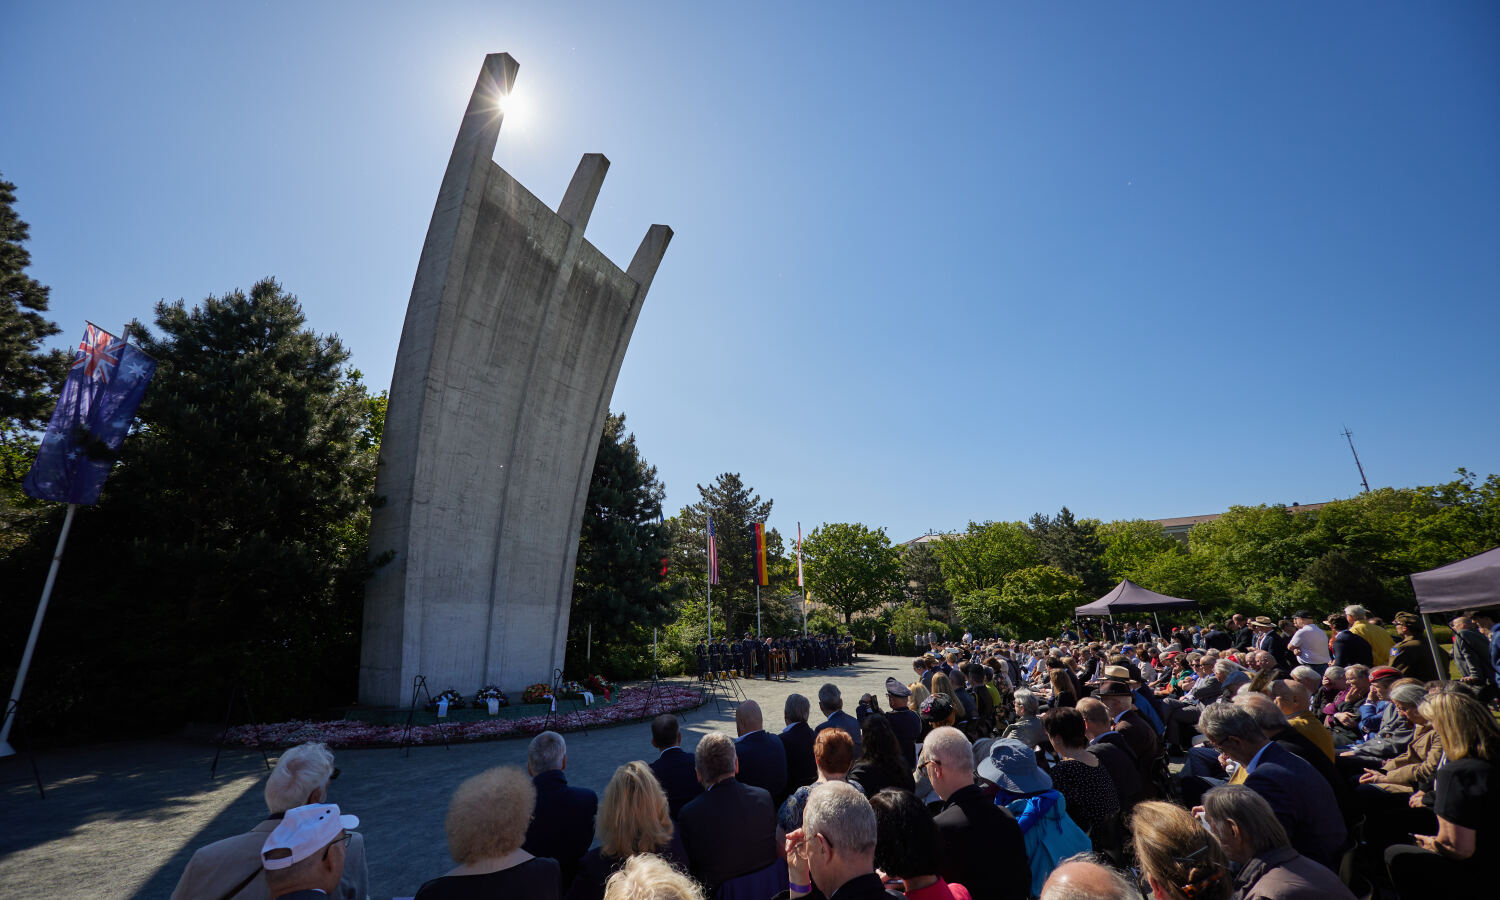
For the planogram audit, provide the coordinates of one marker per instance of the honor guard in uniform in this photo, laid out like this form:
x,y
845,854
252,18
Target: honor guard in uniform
x,y
702,652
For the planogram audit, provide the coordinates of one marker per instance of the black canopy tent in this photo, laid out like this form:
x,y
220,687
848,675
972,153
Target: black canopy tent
x,y
1129,597
1466,584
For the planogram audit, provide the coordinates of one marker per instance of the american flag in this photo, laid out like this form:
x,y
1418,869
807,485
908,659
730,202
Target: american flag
x,y
713,554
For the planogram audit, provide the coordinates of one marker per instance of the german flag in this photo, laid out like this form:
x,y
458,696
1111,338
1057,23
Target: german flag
x,y
760,554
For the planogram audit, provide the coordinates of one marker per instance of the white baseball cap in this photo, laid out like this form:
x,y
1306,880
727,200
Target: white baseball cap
x,y
304,830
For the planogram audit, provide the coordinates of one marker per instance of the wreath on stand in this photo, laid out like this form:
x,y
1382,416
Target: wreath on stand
x,y
537,693
489,692
454,698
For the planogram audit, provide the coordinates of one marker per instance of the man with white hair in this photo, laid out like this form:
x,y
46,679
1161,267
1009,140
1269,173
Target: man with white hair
x,y
983,848
835,847
563,826
232,867
304,856
1378,638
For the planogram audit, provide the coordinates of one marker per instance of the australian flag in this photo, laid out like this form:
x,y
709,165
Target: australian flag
x,y
98,403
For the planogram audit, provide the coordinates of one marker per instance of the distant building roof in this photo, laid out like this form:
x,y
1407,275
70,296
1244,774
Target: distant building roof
x,y
927,538
1183,524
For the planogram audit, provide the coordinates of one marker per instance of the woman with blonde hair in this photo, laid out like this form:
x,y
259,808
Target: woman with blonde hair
x,y
633,819
1464,793
646,876
486,825
1179,858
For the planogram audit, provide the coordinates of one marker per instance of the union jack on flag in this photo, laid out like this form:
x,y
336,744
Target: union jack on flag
x,y
713,554
98,354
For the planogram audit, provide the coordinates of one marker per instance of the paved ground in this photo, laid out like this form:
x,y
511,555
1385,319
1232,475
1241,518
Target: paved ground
x,y
122,820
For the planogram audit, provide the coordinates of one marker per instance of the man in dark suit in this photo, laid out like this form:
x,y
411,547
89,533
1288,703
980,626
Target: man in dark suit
x,y
1270,638
1132,726
1244,635
983,848
762,758
1302,800
831,702
797,740
563,825
1113,752
674,765
731,830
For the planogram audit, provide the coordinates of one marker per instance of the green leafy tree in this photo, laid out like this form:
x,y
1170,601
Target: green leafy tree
x,y
922,582
983,555
29,375
851,568
1039,600
618,584
1129,545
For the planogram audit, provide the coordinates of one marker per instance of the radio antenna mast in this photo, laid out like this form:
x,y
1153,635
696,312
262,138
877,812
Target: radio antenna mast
x,y
1362,479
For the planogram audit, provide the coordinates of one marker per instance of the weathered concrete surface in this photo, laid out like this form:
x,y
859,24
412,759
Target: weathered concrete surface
x,y
122,820
513,339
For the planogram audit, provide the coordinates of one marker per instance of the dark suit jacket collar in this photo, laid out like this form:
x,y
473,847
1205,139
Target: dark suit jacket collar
x,y
552,778
965,794
867,885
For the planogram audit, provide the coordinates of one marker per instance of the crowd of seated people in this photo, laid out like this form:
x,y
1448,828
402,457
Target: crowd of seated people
x,y
1254,759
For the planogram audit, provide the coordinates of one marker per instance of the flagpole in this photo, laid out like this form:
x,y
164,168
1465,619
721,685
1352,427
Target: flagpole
x,y
757,609
706,539
14,709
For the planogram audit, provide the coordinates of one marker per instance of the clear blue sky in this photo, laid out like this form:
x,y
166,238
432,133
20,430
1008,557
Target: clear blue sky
x,y
931,264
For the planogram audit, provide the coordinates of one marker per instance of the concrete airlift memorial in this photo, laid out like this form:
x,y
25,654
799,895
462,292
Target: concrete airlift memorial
x,y
513,339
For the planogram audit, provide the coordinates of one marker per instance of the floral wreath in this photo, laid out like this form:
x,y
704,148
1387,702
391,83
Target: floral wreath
x,y
454,698
490,692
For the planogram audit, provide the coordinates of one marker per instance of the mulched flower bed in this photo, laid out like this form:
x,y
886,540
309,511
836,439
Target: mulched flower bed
x,y
631,706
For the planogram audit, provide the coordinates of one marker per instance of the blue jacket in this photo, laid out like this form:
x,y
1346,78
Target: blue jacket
x,y
1303,801
762,763
1051,834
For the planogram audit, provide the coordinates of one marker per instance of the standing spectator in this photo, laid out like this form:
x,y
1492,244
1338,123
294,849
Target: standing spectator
x,y
1270,638
831,703
633,820
835,755
1244,634
880,764
731,830
761,756
1489,628
486,823
294,867
907,847
1349,649
1461,855
983,848
1309,642
1253,839
1411,655
673,766
563,826
1471,650
797,740
835,847
1378,638
1302,799
1179,858
904,722
232,867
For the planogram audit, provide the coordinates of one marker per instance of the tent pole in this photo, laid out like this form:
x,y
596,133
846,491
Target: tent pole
x,y
1437,656
1157,619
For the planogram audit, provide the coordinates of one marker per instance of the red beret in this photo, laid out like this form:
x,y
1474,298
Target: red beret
x,y
1384,672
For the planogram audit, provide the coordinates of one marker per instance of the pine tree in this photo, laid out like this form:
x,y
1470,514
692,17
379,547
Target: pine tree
x,y
618,584
29,375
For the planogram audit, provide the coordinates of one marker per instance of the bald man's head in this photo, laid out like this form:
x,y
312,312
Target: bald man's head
x,y
1078,879
747,717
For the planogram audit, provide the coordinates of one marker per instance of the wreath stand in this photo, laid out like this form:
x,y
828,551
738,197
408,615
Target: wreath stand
x,y
14,709
419,682
575,714
237,690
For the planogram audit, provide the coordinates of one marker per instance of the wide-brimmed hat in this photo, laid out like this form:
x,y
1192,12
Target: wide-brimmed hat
x,y
1113,689
303,831
1262,622
1012,765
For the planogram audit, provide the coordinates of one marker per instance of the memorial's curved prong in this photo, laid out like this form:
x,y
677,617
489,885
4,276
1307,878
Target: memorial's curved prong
x,y
578,202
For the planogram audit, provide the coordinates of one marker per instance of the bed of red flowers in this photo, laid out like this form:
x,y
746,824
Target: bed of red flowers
x,y
633,705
